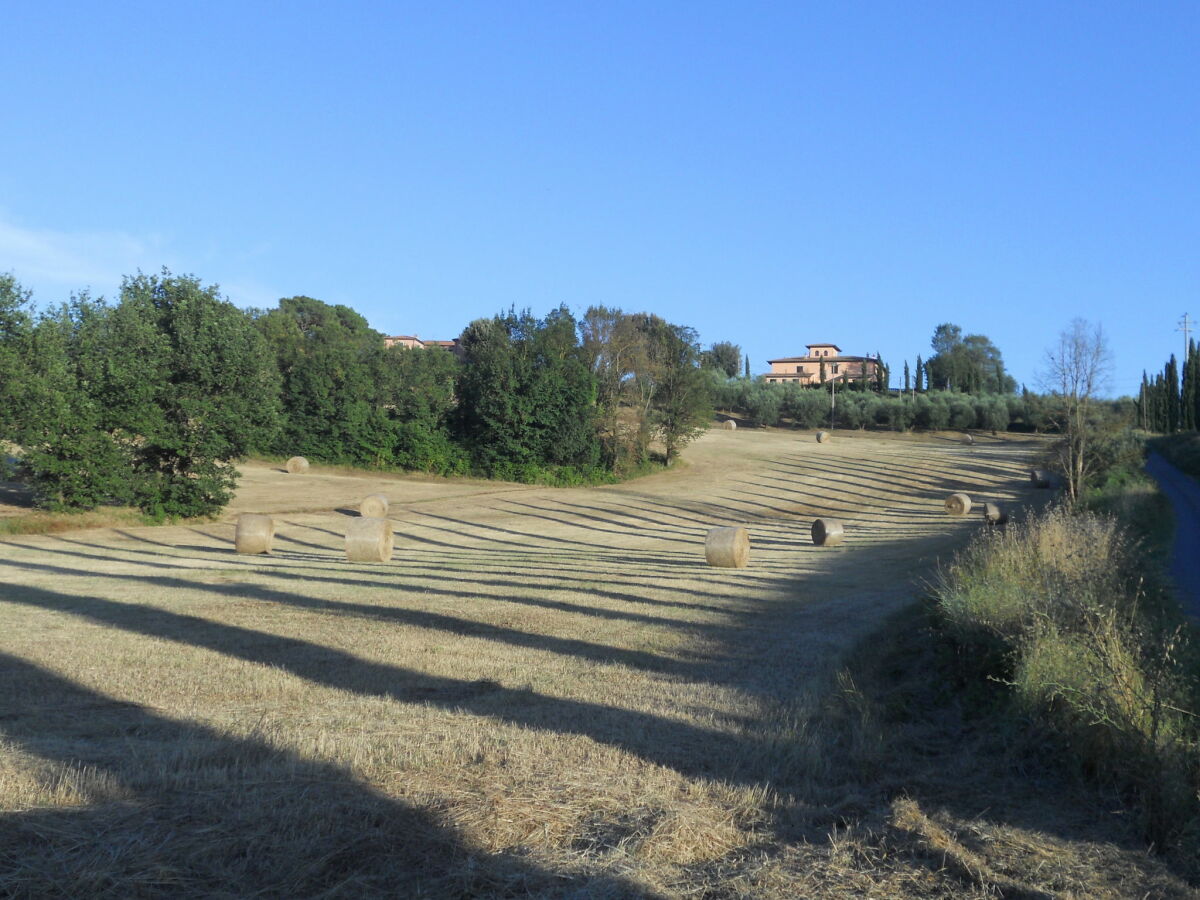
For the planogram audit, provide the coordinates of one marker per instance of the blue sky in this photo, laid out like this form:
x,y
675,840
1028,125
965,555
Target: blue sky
x,y
772,174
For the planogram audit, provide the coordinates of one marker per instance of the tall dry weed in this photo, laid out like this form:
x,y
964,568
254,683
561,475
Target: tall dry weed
x,y
1058,609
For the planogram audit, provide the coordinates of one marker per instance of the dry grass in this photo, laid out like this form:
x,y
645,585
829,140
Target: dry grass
x,y
546,693
1060,608
22,522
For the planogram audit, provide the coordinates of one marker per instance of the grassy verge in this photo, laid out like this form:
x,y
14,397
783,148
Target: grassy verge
x,y
40,522
950,775
1068,611
1183,451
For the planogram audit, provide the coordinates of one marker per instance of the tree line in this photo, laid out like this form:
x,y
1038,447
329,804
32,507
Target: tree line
x,y
1170,401
150,401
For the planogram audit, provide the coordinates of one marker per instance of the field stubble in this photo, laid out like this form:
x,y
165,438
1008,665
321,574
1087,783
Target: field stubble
x,y
546,692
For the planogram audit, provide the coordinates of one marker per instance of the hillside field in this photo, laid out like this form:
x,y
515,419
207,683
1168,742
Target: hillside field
x,y
546,692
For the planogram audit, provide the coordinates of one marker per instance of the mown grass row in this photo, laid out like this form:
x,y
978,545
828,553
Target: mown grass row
x,y
1068,612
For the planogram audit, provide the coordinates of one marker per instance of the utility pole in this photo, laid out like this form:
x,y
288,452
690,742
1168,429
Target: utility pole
x,y
1185,325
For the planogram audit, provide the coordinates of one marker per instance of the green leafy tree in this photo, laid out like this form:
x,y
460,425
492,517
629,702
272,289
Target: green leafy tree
x,y
724,357
615,350
970,364
16,329
681,407
214,395
527,397
418,394
149,401
333,385
73,456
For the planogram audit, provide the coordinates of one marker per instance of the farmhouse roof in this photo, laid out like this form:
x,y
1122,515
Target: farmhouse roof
x,y
838,358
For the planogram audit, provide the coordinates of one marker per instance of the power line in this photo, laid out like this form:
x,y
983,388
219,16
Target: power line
x,y
1185,325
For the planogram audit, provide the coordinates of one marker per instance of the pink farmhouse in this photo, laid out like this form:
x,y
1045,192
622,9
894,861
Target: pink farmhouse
x,y
823,362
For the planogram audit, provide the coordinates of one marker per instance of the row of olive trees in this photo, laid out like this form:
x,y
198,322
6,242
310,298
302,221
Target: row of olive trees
x,y
767,403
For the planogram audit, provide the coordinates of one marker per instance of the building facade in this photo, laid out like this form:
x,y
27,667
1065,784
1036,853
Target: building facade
x,y
822,363
412,342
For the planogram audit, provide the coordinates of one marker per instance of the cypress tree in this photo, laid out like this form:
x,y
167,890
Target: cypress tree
x,y
920,369
1191,389
1171,377
1158,406
1142,404
907,377
1194,356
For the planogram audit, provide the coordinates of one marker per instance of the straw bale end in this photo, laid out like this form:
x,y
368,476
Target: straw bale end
x,y
958,504
828,532
373,507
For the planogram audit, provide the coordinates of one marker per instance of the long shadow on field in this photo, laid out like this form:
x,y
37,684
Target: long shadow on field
x,y
693,751
264,593
884,474
292,566
219,815
693,541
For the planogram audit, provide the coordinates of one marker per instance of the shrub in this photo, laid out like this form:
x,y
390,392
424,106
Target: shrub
x,y
806,407
764,402
962,413
1059,610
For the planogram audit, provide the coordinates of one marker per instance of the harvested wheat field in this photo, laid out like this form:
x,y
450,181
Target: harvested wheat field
x,y
545,692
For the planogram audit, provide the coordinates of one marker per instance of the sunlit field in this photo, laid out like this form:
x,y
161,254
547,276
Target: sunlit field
x,y
546,692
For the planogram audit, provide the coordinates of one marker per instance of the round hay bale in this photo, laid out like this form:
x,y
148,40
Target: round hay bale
x,y
958,504
968,439
994,514
729,425
373,507
1039,478
297,465
828,532
254,533
727,547
822,437
369,540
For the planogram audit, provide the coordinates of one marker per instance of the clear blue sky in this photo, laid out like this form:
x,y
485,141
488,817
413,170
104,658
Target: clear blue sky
x,y
772,174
